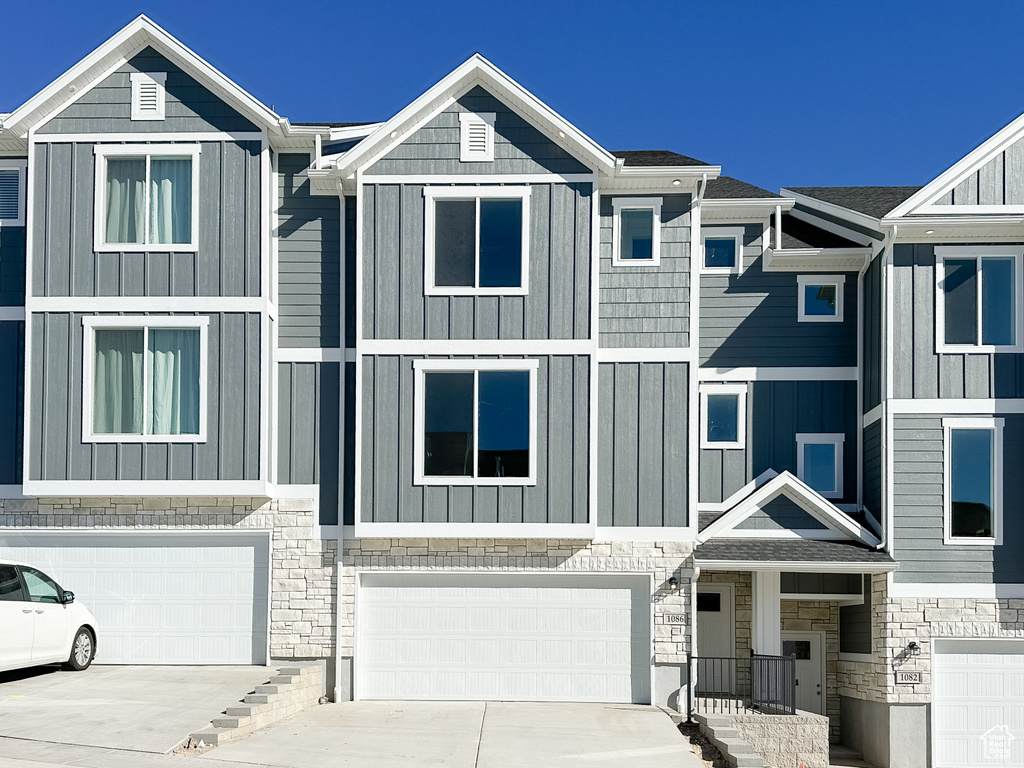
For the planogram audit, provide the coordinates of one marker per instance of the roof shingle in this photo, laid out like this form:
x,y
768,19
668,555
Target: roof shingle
x,y
653,158
791,551
872,201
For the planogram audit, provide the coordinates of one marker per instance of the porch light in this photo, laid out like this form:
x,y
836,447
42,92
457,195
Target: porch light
x,y
913,648
673,584
676,182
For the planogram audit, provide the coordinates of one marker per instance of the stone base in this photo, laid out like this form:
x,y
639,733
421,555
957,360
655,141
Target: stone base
x,y
785,740
887,735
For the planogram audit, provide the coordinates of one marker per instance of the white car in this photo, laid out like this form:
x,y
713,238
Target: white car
x,y
40,623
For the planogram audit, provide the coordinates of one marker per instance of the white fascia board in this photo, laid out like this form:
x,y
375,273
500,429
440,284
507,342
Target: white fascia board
x,y
816,259
643,533
79,488
792,566
829,373
573,531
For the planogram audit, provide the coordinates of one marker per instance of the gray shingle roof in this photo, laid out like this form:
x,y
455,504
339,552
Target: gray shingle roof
x,y
654,158
728,188
800,234
336,125
873,201
791,550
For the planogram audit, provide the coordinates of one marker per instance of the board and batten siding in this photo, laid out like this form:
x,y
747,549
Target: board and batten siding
x,y
54,416
750,319
518,146
873,345
776,412
642,444
873,468
308,431
226,264
12,400
918,513
561,495
918,371
12,266
647,306
999,182
855,622
106,107
558,303
308,259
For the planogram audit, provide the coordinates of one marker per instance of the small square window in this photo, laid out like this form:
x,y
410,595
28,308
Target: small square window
x,y
723,250
819,461
723,415
12,192
820,298
972,493
977,292
709,602
636,231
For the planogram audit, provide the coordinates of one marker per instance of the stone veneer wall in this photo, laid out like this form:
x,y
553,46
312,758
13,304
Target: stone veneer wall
x,y
820,616
786,740
303,567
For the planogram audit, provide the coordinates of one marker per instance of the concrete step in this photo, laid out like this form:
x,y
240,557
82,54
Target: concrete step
x,y
746,761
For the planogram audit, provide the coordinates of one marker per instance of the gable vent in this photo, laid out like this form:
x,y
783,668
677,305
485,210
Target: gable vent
x,y
477,139
10,187
148,95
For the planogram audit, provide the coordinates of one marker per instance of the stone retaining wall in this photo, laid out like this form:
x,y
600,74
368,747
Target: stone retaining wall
x,y
786,740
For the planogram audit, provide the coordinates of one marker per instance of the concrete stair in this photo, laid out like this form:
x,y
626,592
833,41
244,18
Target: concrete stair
x,y
291,690
734,749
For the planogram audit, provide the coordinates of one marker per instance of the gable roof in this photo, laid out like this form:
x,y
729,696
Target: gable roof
x,y
655,158
728,188
793,555
800,234
871,201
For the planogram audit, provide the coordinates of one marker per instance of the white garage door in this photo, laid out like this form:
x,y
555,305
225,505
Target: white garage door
x,y
978,703
504,637
196,598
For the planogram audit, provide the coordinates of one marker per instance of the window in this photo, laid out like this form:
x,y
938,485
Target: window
x,y
636,231
10,584
972,480
820,298
819,462
477,240
709,602
476,132
977,293
723,250
147,197
41,588
723,415
12,192
144,379
148,95
475,422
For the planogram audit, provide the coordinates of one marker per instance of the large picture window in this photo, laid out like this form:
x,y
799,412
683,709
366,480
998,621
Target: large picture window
x,y
972,480
145,379
978,291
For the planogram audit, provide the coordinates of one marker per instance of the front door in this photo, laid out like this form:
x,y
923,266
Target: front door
x,y
808,648
716,642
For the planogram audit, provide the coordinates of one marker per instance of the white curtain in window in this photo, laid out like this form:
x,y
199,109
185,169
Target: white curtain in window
x,y
126,199
170,200
173,381
117,384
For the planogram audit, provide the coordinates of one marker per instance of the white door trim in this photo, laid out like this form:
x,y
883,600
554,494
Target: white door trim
x,y
803,634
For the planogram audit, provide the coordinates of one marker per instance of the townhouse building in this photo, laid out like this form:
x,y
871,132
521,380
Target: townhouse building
x,y
470,407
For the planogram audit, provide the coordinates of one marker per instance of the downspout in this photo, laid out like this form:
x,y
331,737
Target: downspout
x,y
888,246
318,143
778,227
339,695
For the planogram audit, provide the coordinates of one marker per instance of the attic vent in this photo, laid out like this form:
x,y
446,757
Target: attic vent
x,y
477,141
148,95
10,195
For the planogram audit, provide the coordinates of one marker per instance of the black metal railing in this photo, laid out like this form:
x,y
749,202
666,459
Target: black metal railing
x,y
757,683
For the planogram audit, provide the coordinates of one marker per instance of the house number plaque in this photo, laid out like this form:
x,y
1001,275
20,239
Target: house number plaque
x,y
908,678
675,618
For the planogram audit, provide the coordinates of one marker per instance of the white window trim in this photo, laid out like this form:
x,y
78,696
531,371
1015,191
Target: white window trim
x,y
146,151
91,324
822,438
21,166
802,281
996,426
722,233
466,155
620,204
160,80
421,367
430,194
741,414
974,252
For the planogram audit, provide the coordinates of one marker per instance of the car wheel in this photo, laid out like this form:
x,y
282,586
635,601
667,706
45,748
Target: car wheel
x,y
82,651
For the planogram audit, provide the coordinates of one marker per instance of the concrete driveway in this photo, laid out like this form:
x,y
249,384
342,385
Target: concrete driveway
x,y
143,709
377,734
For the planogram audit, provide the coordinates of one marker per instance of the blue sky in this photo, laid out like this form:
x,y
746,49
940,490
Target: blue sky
x,y
778,93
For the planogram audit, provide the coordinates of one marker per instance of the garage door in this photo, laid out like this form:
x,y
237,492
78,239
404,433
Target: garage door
x,y
197,598
504,637
978,703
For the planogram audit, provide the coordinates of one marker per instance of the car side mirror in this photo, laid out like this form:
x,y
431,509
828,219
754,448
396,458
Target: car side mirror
x,y
68,597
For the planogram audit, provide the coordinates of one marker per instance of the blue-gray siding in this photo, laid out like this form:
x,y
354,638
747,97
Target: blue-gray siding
x,y
821,583
12,266
350,271
12,400
54,418
872,335
873,468
648,306
780,514
918,516
518,146
226,264
751,319
558,304
309,430
776,412
560,496
999,182
348,488
855,622
308,258
106,108
642,450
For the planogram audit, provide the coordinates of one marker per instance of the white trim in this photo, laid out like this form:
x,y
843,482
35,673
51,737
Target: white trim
x,y
742,493
968,209
778,374
145,138
940,406
421,367
740,391
27,442
816,259
475,178
619,204
795,566
995,426
466,122
147,152
721,233
141,304
643,533
977,253
869,418
803,281
978,591
12,314
646,354
93,322
431,194
816,534
576,531
861,658
158,80
80,488
593,367
420,347
21,166
309,355
822,438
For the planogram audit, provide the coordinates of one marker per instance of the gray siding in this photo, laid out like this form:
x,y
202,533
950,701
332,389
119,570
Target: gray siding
x,y
780,514
917,370
560,496
751,319
999,182
226,264
558,304
776,412
822,583
308,258
106,108
873,468
308,404
918,517
642,451
855,623
12,400
12,266
872,332
54,418
518,146
350,271
349,486
648,306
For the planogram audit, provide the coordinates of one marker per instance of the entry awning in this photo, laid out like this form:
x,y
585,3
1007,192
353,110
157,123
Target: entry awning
x,y
775,554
